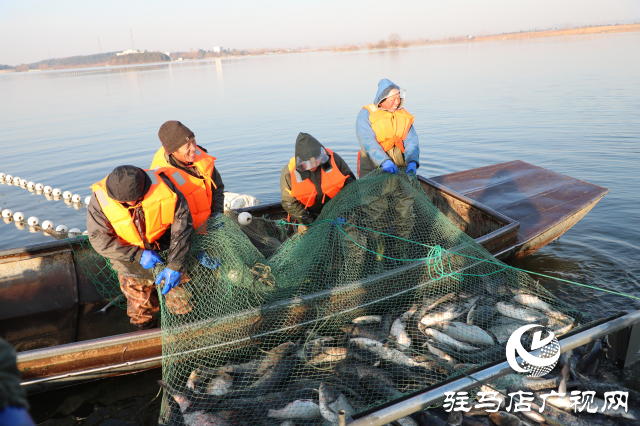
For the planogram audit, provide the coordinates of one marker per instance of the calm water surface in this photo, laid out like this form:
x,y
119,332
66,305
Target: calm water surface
x,y
569,105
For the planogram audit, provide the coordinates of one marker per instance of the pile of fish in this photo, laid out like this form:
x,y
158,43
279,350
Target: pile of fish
x,y
368,361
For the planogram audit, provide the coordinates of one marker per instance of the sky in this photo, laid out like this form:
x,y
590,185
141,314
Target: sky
x,y
33,30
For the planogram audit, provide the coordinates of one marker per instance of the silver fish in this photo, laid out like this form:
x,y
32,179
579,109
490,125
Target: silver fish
x,y
367,319
441,354
399,332
450,313
502,418
388,354
467,333
448,340
329,356
481,313
521,314
407,421
201,418
432,302
535,302
331,402
300,409
504,328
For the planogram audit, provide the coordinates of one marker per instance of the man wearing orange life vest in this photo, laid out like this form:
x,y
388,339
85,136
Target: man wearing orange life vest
x,y
132,216
193,170
311,178
386,134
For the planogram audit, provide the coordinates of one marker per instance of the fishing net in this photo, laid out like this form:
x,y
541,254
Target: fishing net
x,y
381,297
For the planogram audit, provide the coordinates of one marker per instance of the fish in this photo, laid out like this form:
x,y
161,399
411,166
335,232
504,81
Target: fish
x,y
113,302
353,330
299,409
504,328
440,353
384,390
455,418
192,416
481,313
559,328
431,302
562,402
521,314
388,354
202,418
385,326
328,356
591,356
367,319
450,313
221,385
427,419
399,333
502,418
407,421
536,303
332,402
467,333
495,287
490,354
448,340
271,378
362,371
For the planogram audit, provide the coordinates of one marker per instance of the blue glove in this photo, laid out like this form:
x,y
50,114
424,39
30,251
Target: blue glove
x,y
171,279
411,168
149,259
390,167
208,261
218,219
15,416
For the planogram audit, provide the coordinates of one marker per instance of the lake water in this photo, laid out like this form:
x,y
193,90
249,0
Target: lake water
x,y
571,105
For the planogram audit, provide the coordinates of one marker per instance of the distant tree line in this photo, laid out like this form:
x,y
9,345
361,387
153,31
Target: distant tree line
x,y
139,58
5,67
72,62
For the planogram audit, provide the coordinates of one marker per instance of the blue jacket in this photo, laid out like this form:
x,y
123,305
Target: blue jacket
x,y
367,137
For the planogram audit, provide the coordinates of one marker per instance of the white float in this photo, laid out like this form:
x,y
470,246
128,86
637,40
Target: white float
x,y
31,185
23,182
7,213
39,187
75,231
61,228
233,201
33,221
2,175
86,232
18,216
8,178
16,180
76,198
86,200
47,224
47,189
56,192
244,218
67,195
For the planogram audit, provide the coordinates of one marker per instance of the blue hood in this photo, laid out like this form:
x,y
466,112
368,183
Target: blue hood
x,y
384,87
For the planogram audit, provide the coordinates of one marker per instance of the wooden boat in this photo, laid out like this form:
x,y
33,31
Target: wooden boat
x,y
48,305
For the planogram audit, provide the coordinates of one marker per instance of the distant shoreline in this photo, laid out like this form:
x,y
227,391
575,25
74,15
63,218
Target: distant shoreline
x,y
559,33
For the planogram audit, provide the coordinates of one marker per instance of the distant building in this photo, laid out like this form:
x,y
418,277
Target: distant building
x,y
217,49
128,52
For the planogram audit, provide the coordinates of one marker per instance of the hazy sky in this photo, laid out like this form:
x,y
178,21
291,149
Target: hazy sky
x,y
34,30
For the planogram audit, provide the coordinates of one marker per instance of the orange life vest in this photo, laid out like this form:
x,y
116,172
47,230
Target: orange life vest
x,y
158,205
305,191
197,191
391,129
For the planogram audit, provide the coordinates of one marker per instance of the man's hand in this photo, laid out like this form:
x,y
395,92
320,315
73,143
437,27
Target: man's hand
x,y
171,279
390,167
411,168
149,259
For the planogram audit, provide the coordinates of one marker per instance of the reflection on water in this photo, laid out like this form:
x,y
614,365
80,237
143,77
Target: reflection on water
x,y
571,106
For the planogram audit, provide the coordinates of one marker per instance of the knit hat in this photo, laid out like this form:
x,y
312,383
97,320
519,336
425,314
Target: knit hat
x,y
127,183
173,135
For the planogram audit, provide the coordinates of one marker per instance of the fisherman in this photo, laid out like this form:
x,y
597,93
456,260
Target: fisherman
x,y
134,214
386,134
313,176
13,399
191,170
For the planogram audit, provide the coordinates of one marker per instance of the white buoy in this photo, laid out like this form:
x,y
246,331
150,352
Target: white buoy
x,y
76,198
23,182
61,228
47,224
39,187
75,231
86,200
86,232
18,216
16,180
33,221
7,213
47,189
56,192
67,195
8,178
2,175
244,218
31,185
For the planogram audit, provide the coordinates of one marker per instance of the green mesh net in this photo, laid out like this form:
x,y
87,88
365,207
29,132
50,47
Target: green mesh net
x,y
381,297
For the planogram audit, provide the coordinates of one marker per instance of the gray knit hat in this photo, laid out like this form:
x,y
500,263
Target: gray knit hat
x,y
173,135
